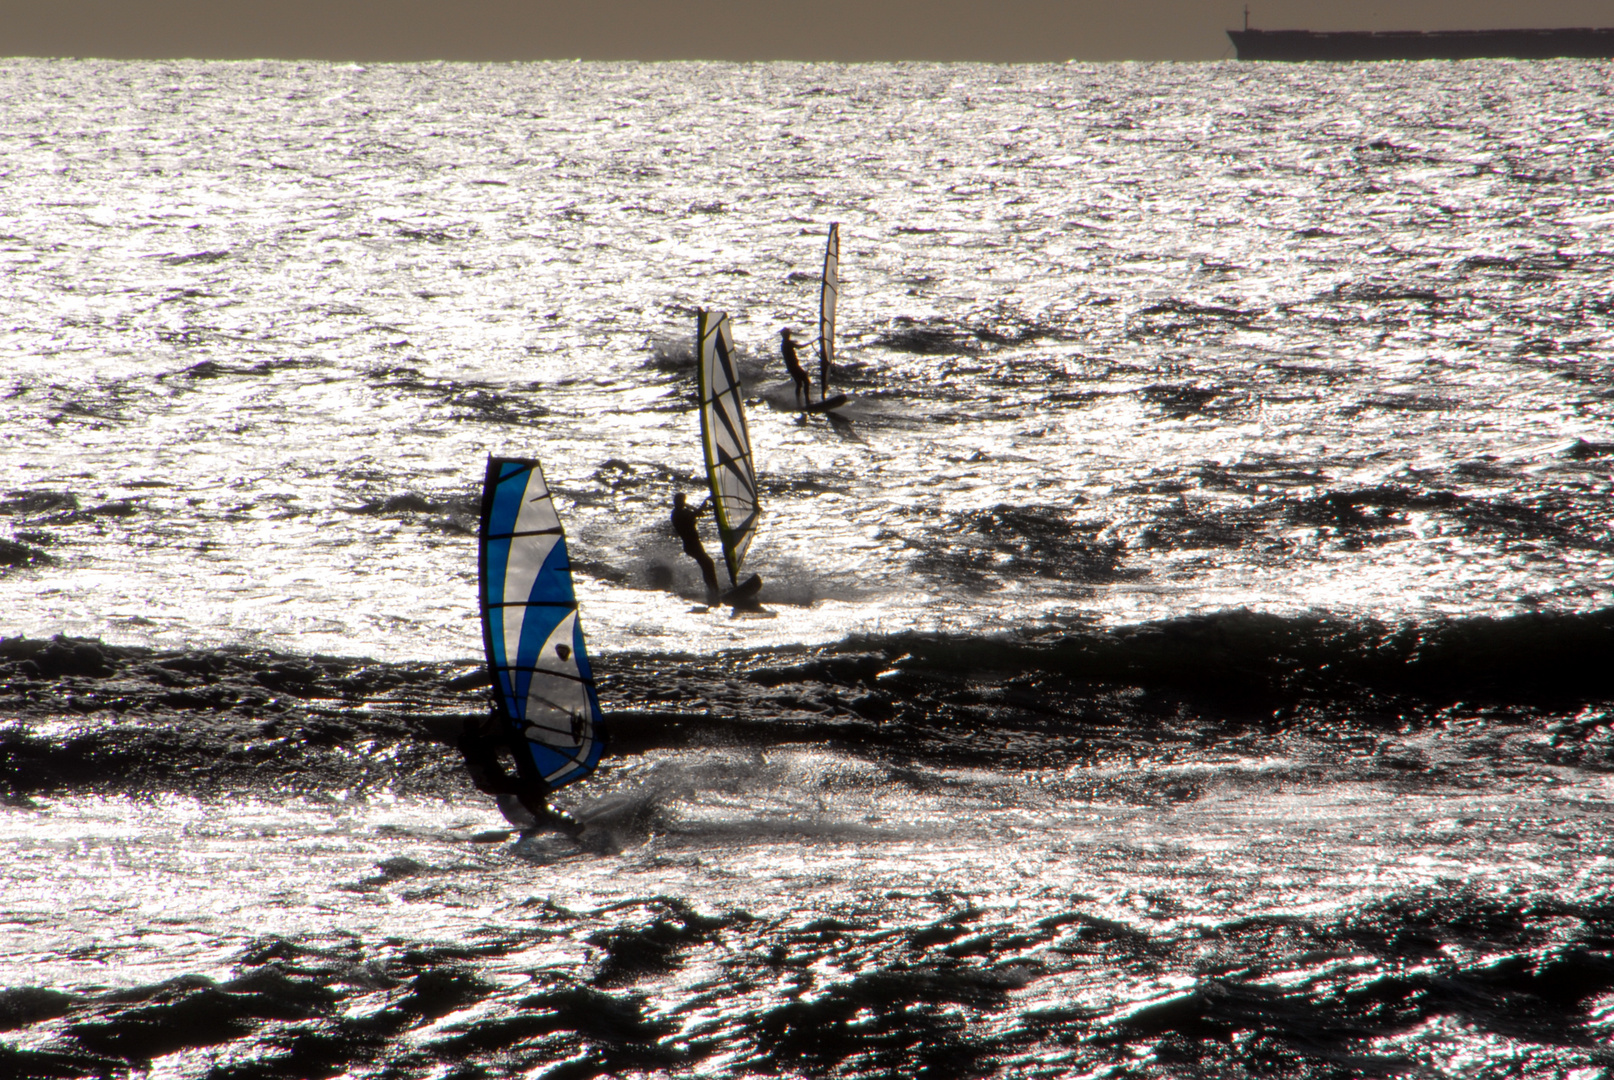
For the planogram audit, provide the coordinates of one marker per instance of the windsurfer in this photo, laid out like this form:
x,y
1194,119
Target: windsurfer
x,y
683,523
523,798
804,381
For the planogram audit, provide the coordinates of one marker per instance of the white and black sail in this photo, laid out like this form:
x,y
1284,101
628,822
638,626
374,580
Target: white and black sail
x,y
725,439
542,684
829,293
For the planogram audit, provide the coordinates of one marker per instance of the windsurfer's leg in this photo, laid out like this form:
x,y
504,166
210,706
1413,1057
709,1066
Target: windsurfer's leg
x,y
480,744
516,812
523,800
708,571
531,813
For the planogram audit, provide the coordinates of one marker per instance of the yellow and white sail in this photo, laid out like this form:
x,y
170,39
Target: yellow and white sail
x,y
726,440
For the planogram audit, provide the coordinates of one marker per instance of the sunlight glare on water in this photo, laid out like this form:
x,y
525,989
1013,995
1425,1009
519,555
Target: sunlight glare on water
x,y
842,866
1124,342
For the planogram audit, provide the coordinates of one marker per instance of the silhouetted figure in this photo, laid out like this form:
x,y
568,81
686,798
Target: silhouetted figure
x,y
523,798
804,381
683,523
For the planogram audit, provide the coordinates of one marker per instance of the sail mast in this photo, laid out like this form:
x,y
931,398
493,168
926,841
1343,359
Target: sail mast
x,y
829,293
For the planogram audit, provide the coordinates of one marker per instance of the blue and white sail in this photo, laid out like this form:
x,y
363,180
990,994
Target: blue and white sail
x,y
541,679
726,440
829,293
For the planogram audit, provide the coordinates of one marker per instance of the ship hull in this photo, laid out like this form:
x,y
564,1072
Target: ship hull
x,y
1590,44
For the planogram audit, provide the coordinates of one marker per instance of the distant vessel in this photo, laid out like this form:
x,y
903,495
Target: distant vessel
x,y
1580,43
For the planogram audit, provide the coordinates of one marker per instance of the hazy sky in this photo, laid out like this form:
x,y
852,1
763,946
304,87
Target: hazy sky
x,y
377,30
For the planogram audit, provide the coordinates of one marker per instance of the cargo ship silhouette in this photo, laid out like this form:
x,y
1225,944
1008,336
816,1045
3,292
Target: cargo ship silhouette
x,y
1576,43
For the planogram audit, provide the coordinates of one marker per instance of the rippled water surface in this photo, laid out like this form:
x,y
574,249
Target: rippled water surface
x,y
811,914
1187,655
1124,341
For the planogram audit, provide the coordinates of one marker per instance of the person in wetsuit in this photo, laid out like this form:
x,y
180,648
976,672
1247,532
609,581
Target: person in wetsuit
x,y
804,381
683,523
523,798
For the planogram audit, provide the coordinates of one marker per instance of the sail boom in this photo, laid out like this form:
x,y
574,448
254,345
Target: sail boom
x,y
534,603
531,670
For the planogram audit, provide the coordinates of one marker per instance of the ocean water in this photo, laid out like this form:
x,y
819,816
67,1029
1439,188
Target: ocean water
x,y
1187,655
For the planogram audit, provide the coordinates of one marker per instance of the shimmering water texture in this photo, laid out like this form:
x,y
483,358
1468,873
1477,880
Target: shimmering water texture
x,y
1188,652
1246,936
1123,341
228,865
